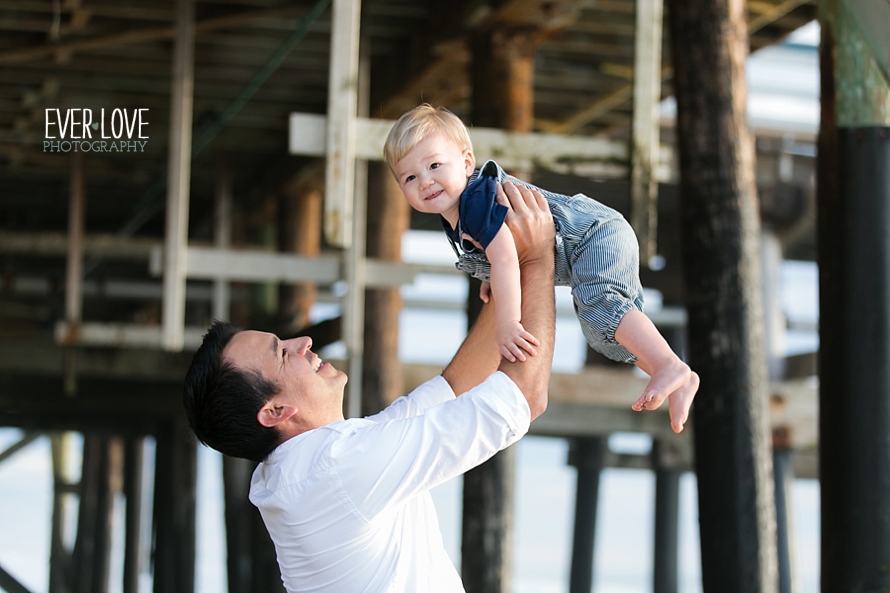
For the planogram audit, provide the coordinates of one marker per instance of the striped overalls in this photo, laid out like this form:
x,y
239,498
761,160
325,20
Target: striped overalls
x,y
596,254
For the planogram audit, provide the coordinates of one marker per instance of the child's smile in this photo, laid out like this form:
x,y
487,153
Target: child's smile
x,y
433,175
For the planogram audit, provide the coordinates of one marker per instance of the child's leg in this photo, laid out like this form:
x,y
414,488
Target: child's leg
x,y
608,298
670,376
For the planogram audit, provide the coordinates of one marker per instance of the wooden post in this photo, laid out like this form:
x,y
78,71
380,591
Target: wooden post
x,y
236,477
342,101
388,217
60,558
354,269
174,508
588,457
74,268
646,130
783,476
299,206
133,459
179,168
222,238
503,97
89,514
720,236
667,511
854,307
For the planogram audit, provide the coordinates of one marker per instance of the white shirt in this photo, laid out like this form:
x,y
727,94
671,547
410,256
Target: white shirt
x,y
348,504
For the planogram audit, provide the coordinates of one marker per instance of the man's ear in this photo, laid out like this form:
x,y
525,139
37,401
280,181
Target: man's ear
x,y
274,413
469,163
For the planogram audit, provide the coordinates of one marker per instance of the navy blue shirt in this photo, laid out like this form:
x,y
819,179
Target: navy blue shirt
x,y
479,215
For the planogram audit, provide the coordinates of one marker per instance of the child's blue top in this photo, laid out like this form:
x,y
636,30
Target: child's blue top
x,y
479,215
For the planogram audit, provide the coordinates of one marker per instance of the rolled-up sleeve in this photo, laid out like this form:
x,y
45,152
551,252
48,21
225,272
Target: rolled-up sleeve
x,y
385,463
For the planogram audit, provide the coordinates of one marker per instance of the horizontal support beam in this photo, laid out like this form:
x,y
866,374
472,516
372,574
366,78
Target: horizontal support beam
x,y
120,335
556,152
242,265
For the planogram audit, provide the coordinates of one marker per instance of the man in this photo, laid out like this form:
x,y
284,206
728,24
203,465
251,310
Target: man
x,y
347,501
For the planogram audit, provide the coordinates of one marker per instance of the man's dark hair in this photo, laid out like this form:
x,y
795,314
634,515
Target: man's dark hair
x,y
222,402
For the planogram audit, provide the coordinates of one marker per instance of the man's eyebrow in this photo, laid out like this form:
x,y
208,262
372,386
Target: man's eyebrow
x,y
274,345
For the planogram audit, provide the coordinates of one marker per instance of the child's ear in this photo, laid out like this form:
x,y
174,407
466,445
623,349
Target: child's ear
x,y
469,162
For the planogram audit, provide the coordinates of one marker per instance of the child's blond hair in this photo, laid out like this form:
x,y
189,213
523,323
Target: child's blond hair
x,y
416,125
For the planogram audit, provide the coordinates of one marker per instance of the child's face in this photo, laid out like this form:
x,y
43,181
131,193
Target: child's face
x,y
433,175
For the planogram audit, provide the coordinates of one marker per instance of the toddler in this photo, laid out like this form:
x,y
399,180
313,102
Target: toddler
x,y
596,253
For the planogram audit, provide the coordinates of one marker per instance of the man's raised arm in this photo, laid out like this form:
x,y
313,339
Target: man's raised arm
x,y
530,222
533,232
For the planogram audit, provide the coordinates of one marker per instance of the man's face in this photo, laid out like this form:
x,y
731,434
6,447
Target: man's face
x,y
433,175
314,387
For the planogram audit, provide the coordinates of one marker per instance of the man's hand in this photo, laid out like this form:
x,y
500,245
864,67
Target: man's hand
x,y
529,219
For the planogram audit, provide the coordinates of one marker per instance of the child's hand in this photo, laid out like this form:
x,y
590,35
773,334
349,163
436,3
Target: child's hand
x,y
512,339
485,291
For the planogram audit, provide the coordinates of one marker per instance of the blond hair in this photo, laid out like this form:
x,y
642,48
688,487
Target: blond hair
x,y
416,125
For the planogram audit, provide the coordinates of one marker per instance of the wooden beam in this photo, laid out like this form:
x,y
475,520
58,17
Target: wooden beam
x,y
179,176
513,149
618,97
341,128
646,127
137,36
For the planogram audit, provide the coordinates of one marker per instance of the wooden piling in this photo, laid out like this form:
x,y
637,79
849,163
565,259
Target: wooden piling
x,y
174,508
388,217
503,97
667,518
854,308
133,461
720,236
588,456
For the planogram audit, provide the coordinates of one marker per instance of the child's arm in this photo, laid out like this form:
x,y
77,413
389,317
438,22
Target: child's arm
x,y
511,337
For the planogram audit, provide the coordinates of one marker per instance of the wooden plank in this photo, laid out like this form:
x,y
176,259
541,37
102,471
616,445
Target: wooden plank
x,y
341,127
646,126
513,150
178,176
122,335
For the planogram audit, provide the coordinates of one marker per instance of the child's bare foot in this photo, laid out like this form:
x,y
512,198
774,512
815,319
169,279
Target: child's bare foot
x,y
674,381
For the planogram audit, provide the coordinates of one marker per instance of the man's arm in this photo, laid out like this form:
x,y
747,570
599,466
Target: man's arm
x,y
530,221
534,235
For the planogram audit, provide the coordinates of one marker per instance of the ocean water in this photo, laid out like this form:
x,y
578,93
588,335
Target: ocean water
x,y
545,487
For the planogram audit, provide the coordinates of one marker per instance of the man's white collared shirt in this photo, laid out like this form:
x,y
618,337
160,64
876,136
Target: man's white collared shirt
x,y
348,504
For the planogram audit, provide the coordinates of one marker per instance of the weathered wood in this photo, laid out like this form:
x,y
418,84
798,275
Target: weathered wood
x,y
587,457
503,96
222,238
341,132
59,557
139,35
300,205
92,514
854,364
667,462
133,553
646,126
179,169
388,217
174,508
239,556
783,476
720,237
